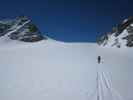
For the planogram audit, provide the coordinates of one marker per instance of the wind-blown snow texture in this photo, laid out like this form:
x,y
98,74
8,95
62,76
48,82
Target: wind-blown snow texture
x,y
52,70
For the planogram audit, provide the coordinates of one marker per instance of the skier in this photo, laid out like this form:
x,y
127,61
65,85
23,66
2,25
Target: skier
x,y
99,59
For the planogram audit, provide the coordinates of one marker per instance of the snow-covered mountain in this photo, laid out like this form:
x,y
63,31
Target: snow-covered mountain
x,y
53,70
121,35
20,28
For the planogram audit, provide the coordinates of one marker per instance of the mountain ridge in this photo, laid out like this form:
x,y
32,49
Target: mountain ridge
x,y
20,28
120,36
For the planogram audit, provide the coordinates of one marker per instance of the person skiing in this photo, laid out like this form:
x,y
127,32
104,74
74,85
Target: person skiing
x,y
99,59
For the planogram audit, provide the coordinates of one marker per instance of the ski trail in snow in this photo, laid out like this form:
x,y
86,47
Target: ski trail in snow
x,y
45,57
108,82
104,88
101,87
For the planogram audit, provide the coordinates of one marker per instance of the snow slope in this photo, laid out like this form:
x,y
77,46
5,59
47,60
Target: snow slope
x,y
53,70
120,36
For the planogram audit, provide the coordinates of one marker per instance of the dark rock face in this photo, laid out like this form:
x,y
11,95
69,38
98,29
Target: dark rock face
x,y
118,33
103,39
124,25
21,29
3,29
129,39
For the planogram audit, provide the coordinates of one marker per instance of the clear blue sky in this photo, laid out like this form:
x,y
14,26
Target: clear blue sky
x,y
70,20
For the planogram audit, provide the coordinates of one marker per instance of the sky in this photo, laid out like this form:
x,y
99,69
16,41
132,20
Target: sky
x,y
70,20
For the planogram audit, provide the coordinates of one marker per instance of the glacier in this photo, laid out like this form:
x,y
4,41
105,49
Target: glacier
x,y
54,70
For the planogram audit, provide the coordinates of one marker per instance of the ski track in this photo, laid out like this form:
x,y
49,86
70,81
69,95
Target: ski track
x,y
53,70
